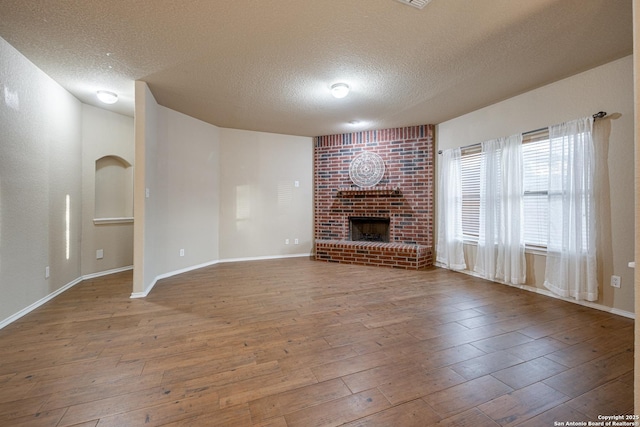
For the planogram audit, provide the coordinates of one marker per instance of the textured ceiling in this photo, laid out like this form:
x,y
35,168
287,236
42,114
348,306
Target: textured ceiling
x,y
267,65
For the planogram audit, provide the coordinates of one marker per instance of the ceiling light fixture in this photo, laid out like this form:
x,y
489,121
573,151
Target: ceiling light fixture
x,y
339,90
418,4
107,97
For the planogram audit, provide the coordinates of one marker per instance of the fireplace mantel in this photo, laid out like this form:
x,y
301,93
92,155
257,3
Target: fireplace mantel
x,y
370,191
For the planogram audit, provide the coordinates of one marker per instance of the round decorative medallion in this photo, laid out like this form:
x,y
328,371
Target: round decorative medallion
x,y
366,169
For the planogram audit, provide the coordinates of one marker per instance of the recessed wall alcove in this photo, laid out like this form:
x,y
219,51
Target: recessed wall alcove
x,y
404,196
113,190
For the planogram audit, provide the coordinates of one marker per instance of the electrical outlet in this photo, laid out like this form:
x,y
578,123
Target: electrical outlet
x,y
286,241
46,272
181,252
615,281
100,254
295,241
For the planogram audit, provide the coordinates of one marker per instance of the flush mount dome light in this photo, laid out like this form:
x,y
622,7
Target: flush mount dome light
x,y
339,90
107,97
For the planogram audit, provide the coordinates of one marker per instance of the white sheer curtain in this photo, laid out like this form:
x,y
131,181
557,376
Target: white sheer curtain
x,y
571,250
500,253
449,252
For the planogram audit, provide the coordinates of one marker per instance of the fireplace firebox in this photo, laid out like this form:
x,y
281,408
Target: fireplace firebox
x,y
369,229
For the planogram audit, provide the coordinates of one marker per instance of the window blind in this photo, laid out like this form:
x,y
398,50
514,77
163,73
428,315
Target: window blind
x,y
470,179
535,157
535,152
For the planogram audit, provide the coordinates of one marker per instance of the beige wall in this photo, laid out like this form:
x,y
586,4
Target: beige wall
x,y
608,88
185,191
175,192
104,133
40,164
48,147
260,205
219,194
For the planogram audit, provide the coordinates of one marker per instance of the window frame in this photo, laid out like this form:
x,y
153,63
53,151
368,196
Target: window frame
x,y
471,190
533,137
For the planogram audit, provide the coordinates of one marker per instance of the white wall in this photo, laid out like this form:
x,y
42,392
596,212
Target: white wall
x,y
608,88
104,133
40,164
260,203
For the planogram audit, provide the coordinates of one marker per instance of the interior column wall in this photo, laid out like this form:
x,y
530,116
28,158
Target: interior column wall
x,y
176,188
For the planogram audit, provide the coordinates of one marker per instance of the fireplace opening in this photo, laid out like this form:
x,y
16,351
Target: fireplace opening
x,y
369,229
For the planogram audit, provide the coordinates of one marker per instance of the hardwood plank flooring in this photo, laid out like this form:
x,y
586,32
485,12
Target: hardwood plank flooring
x,y
295,342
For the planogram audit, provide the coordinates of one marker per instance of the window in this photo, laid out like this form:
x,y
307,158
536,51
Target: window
x,y
535,165
535,152
470,179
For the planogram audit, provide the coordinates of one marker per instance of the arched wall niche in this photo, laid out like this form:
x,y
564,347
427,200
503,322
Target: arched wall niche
x,y
113,190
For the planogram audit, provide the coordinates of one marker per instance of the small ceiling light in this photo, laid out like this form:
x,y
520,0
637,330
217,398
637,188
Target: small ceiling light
x,y
339,90
419,4
107,97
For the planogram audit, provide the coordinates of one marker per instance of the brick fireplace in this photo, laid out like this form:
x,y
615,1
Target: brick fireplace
x,y
404,198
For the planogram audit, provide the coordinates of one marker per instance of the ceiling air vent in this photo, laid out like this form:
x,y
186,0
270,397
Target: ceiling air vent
x,y
418,4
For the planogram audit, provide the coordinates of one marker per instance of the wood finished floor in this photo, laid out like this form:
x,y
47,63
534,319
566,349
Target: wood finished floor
x,y
302,343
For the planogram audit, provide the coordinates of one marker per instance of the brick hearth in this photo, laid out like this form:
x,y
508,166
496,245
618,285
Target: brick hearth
x,y
405,195
396,255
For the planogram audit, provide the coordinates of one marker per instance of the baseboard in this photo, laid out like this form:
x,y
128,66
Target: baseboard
x,y
107,272
589,304
207,264
170,274
57,292
545,292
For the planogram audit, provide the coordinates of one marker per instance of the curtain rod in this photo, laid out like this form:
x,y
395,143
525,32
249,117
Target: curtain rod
x,y
598,115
